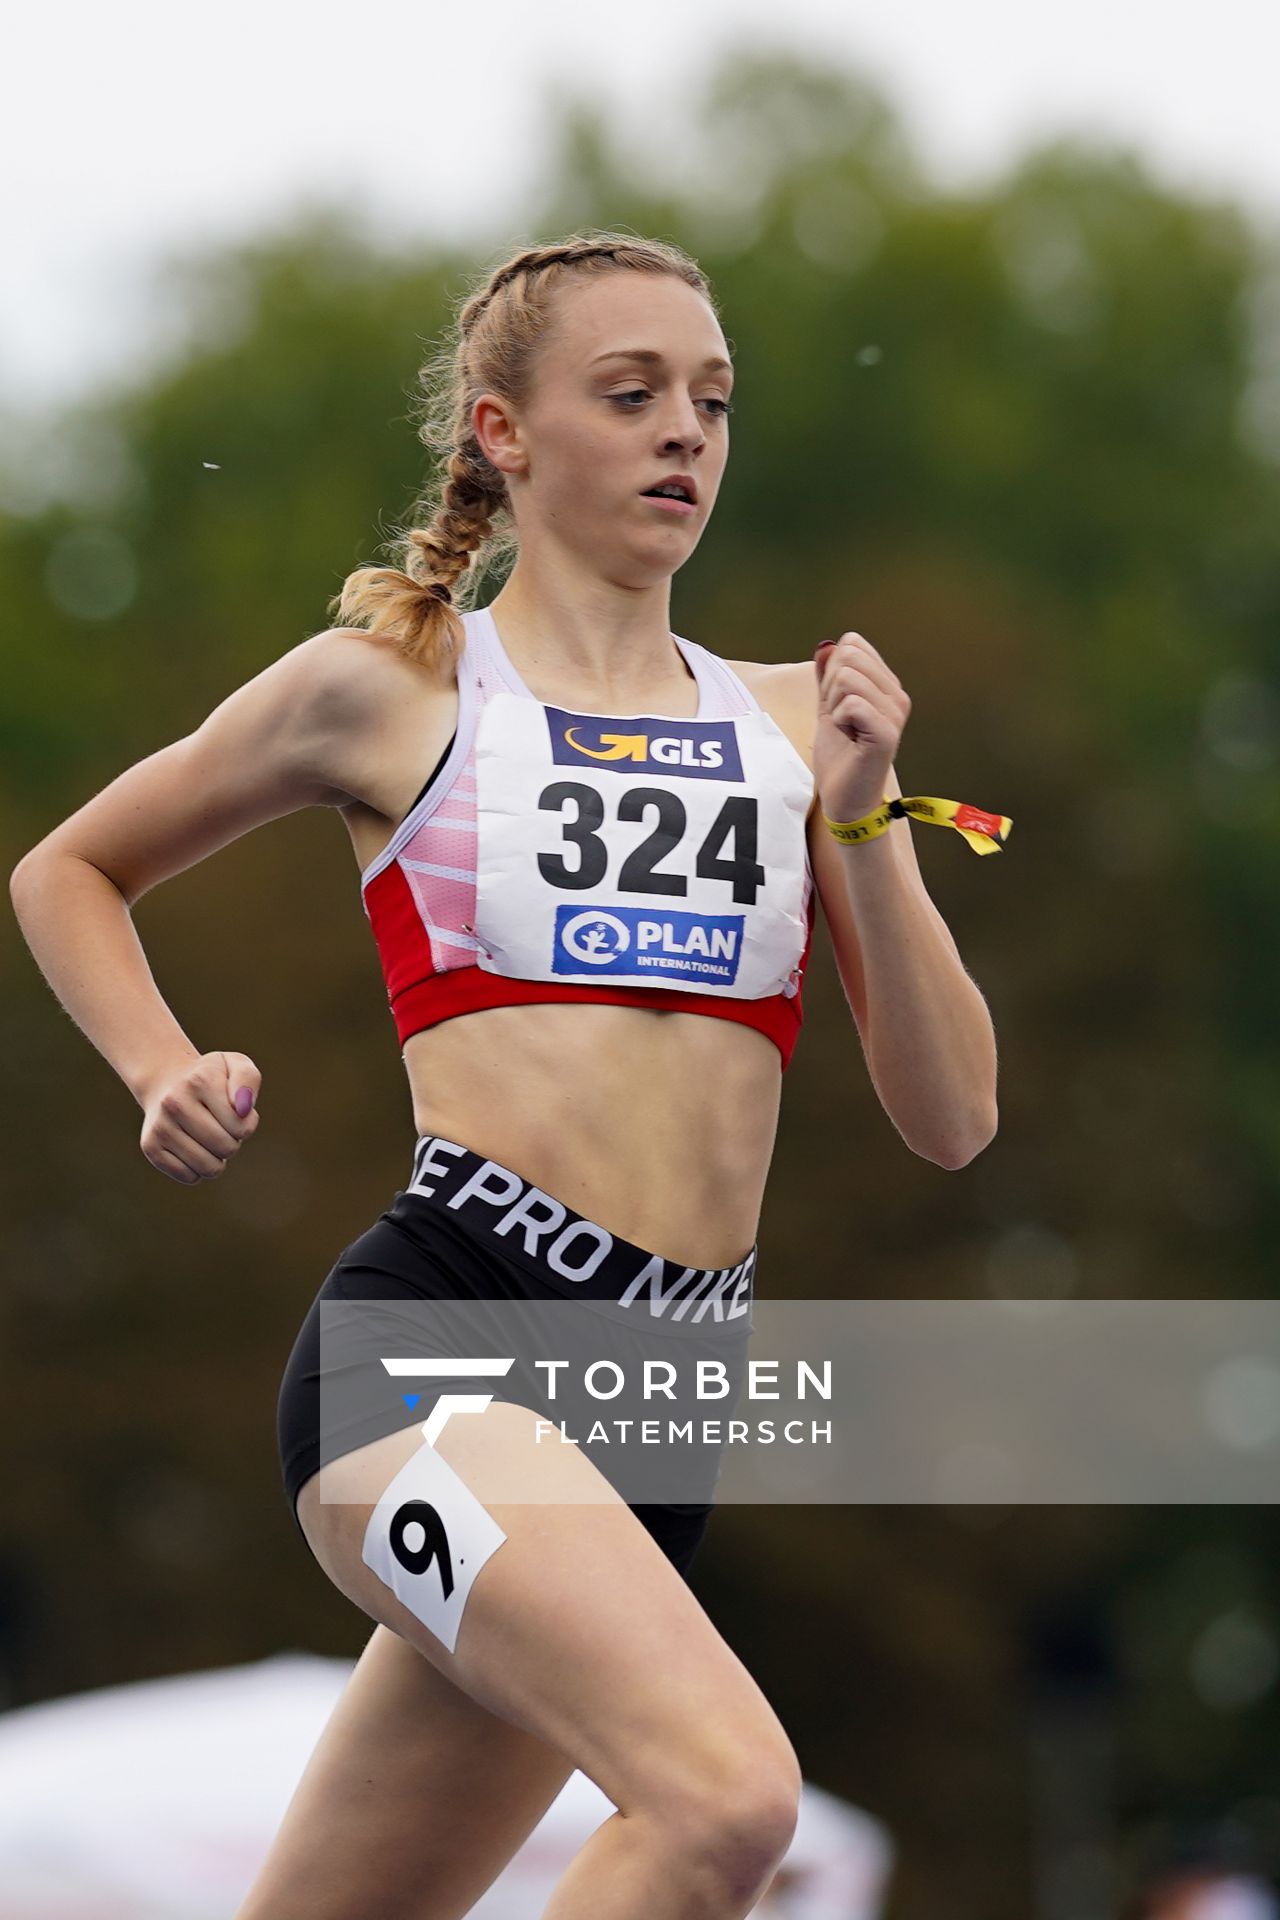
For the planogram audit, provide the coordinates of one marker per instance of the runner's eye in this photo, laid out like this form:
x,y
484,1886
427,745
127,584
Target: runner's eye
x,y
639,393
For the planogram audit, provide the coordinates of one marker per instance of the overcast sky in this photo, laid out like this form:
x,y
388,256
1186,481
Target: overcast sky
x,y
138,127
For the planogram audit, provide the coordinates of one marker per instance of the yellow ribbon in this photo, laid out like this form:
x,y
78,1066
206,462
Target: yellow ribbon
x,y
985,832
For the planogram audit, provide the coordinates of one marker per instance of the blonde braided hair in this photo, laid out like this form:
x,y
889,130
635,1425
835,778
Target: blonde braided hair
x,y
492,347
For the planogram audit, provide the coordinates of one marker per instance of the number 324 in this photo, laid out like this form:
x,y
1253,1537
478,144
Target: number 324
x,y
737,821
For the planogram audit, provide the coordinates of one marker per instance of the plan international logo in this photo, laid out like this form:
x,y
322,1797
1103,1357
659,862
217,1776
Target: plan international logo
x,y
696,749
639,942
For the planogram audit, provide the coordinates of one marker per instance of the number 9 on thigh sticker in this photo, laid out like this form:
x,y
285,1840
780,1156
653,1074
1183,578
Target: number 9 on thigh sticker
x,y
427,1539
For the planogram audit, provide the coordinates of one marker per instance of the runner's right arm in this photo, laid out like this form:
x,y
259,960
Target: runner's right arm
x,y
279,743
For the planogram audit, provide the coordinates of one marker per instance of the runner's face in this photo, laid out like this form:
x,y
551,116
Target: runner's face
x,y
603,425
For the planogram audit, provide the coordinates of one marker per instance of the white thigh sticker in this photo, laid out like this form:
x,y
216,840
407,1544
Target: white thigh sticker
x,y
427,1539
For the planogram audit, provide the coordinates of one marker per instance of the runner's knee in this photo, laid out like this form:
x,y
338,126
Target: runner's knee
x,y
734,1830
731,1805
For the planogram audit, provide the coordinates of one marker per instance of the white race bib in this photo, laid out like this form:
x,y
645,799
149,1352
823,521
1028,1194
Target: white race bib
x,y
654,851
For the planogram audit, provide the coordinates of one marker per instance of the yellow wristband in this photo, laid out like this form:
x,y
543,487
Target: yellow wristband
x,y
985,832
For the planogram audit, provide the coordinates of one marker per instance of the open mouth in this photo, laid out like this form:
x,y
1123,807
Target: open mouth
x,y
673,500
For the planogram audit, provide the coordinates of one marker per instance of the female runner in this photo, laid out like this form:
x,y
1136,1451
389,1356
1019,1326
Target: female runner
x,y
580,1103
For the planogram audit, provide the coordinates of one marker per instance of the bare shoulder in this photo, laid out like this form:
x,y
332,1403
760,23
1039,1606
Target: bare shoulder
x,y
788,692
377,718
352,670
330,722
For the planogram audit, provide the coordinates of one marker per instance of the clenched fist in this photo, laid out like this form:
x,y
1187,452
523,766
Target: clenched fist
x,y
199,1115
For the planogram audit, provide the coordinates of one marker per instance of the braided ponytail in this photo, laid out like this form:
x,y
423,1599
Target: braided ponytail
x,y
492,347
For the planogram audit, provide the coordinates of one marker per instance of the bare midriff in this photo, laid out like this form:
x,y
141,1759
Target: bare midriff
x,y
658,1126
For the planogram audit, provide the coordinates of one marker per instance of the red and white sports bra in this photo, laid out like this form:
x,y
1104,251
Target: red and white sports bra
x,y
640,860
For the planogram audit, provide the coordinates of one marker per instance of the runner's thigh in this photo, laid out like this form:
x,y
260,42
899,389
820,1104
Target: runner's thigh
x,y
577,1627
413,1801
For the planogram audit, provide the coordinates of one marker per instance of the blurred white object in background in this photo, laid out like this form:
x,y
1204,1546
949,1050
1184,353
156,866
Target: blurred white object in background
x,y
1223,1897
158,1801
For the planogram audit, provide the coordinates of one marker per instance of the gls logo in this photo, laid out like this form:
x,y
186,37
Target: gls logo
x,y
701,749
639,747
